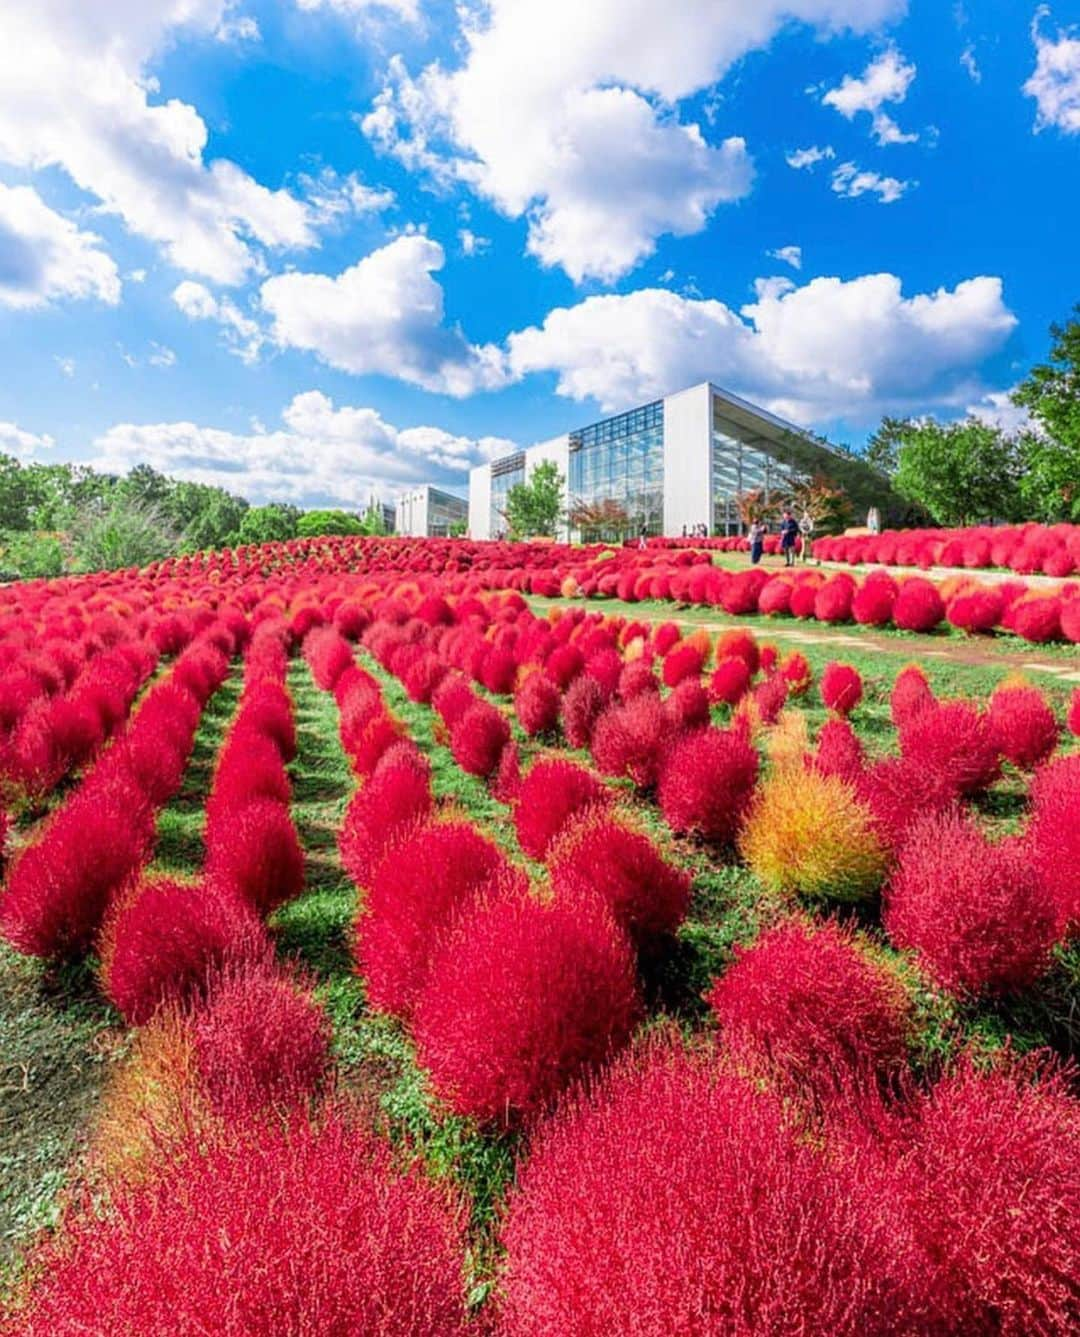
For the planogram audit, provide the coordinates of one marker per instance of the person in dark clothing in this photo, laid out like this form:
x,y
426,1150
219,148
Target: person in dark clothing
x,y
789,533
757,542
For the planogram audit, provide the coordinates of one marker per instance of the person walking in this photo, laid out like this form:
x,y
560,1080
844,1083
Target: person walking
x,y
757,542
806,530
789,532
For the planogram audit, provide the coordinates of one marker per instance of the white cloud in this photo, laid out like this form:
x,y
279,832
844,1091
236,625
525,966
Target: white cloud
x,y
383,316
365,9
75,94
885,80
66,366
567,113
996,408
243,336
321,455
161,356
971,64
809,157
23,445
237,28
790,255
828,349
851,181
1055,84
45,258
332,198
471,244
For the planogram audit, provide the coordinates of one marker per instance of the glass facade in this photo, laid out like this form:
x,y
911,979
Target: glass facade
x,y
505,474
616,484
741,464
444,511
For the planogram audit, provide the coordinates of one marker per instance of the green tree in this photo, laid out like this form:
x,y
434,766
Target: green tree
x,y
16,494
373,520
128,533
275,523
961,472
883,448
27,556
312,524
1051,454
535,508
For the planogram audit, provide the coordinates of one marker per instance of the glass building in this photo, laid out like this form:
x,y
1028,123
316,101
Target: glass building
x,y
678,465
429,512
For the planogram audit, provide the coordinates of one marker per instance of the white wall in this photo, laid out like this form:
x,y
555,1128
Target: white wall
x,y
480,502
558,450
411,518
688,460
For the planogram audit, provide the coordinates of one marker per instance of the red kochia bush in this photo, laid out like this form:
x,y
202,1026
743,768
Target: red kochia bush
x,y
841,688
1054,836
707,782
918,606
976,610
164,939
478,738
414,893
58,887
287,1228
581,707
953,741
1073,721
630,739
688,705
976,914
552,793
1023,724
873,602
808,1002
521,999
260,1041
257,857
991,1184
684,661
911,693
730,680
839,751
738,644
637,677
676,1198
536,704
598,856
395,799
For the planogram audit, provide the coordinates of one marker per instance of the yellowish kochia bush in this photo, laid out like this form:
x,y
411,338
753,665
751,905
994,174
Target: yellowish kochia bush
x,y
808,833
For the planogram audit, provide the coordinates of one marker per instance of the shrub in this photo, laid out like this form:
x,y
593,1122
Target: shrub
x,y
688,706
551,794
478,738
919,606
795,671
839,751
637,677
581,707
452,698
58,887
598,856
1023,725
976,610
833,601
730,680
328,655
1036,618
165,938
770,697
974,913
808,1003
738,644
686,660
911,693
706,783
394,800
536,704
841,688
676,1198
258,857
991,1185
521,999
775,598
1073,721
898,791
1054,836
874,600
808,833
345,1243
953,741
260,1042
630,739
415,892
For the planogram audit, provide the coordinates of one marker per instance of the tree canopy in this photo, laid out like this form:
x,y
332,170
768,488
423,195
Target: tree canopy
x,y
312,524
1051,395
535,508
961,472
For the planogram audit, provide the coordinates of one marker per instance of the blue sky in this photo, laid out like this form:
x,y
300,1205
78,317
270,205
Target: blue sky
x,y
312,249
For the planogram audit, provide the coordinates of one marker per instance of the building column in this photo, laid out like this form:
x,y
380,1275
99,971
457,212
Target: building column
x,y
688,460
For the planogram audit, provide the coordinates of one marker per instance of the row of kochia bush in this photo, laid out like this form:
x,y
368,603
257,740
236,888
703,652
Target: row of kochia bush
x,y
793,1176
